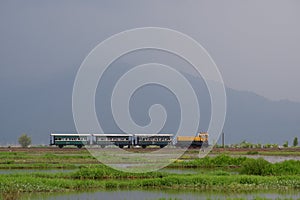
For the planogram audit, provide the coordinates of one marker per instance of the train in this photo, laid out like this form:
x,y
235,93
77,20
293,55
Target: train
x,y
129,140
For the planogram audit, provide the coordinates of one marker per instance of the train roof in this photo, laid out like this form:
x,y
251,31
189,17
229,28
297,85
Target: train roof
x,y
203,133
69,134
113,134
158,134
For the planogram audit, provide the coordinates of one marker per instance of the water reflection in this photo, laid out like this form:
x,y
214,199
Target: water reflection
x,y
165,194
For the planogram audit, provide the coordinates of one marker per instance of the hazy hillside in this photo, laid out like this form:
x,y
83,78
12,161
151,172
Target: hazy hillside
x,y
40,109
257,119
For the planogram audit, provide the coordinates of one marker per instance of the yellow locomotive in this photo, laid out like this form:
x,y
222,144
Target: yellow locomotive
x,y
193,141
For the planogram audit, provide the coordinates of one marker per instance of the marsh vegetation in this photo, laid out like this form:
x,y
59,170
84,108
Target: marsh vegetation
x,y
218,173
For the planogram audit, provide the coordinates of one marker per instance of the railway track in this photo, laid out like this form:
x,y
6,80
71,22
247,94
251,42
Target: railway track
x,y
67,149
39,149
74,149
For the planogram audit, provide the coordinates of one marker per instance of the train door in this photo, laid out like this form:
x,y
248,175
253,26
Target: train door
x,y
51,140
135,140
91,139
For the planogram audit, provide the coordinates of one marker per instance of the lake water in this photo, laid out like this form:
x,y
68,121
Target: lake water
x,y
274,159
165,194
269,158
180,171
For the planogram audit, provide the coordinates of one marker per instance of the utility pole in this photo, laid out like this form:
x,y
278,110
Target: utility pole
x,y
223,140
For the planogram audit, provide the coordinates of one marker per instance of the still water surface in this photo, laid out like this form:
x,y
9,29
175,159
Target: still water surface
x,y
165,194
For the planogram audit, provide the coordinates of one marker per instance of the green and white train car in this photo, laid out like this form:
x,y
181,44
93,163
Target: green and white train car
x,y
160,140
62,140
119,140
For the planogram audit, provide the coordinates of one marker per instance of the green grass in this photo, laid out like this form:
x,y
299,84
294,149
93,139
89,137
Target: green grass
x,y
242,165
216,175
221,160
37,166
106,178
262,167
33,160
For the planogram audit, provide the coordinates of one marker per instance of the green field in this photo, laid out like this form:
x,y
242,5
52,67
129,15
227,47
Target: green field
x,y
218,173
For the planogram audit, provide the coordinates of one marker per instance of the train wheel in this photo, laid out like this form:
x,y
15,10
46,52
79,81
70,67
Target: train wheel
x,y
144,146
60,146
162,146
121,146
79,146
102,146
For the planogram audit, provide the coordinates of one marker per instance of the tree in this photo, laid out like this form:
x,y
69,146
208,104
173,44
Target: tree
x,y
295,142
24,140
286,144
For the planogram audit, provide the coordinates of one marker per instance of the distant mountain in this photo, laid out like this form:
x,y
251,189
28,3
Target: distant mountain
x,y
256,119
40,109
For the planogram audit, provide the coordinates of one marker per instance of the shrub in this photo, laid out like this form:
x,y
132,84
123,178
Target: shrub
x,y
256,167
295,142
24,140
288,167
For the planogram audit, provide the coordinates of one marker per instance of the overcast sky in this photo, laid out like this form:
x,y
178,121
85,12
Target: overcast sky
x,y
255,43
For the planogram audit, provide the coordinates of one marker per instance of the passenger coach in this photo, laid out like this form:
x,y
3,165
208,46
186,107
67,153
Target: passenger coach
x,y
119,140
160,140
62,140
